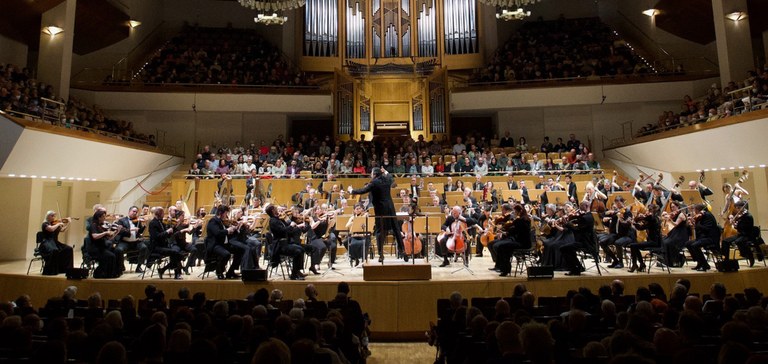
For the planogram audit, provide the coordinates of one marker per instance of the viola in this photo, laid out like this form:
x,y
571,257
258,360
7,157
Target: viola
x,y
412,243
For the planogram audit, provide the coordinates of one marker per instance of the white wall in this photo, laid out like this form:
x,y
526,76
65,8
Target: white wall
x,y
13,52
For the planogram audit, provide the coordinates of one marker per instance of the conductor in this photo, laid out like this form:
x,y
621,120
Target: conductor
x,y
379,188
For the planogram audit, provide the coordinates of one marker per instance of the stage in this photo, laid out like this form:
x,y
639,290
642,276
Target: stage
x,y
400,310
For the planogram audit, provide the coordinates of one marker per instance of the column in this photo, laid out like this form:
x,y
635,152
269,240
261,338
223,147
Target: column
x,y
734,46
54,64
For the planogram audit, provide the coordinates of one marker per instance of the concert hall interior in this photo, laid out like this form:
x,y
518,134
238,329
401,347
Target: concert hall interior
x,y
620,137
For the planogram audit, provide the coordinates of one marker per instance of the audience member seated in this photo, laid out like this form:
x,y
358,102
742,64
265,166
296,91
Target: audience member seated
x,y
223,56
563,48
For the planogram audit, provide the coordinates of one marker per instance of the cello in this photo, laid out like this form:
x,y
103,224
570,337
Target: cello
x,y
411,243
456,243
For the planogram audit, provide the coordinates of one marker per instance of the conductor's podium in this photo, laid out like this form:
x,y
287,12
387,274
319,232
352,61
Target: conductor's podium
x,y
397,270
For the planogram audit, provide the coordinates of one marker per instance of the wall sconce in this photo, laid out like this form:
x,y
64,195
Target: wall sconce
x,y
736,16
652,12
52,30
133,23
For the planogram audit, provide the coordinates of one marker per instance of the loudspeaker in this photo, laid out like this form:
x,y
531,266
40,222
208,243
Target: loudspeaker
x,y
544,271
727,266
77,273
253,275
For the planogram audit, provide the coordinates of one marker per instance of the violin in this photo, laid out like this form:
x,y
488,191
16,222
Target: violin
x,y
65,220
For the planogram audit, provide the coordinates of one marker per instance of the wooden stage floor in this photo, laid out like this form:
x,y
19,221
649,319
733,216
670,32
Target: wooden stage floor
x,y
400,310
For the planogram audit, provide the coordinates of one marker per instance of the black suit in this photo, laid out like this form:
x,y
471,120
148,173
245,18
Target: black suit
x,y
512,185
161,245
215,244
379,188
283,245
571,190
583,227
707,236
746,234
517,237
137,245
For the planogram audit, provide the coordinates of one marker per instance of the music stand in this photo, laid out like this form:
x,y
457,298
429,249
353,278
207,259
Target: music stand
x,y
534,194
628,198
557,197
691,197
516,195
360,226
454,200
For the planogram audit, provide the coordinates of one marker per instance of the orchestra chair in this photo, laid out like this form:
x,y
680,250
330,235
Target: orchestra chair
x,y
285,261
594,255
153,261
656,255
89,262
524,259
37,256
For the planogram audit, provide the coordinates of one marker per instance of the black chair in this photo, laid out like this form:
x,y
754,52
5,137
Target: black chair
x,y
656,255
755,244
89,262
37,256
524,259
284,261
591,252
153,261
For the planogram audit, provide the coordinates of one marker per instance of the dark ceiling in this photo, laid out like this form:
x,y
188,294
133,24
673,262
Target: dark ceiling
x,y
97,23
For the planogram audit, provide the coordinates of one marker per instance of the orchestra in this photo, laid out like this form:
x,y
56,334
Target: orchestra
x,y
607,220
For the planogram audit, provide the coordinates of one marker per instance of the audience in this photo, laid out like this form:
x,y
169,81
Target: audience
x,y
562,48
227,331
223,56
641,332
21,93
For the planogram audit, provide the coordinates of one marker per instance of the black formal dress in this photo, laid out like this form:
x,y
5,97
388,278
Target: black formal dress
x,y
652,226
110,260
620,234
57,255
583,227
674,242
379,188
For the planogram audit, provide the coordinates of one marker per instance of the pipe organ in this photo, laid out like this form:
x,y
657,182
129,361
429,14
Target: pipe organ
x,y
390,59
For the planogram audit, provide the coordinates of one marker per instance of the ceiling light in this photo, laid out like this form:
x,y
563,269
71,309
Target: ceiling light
x,y
33,176
736,15
652,12
133,23
272,5
11,175
23,175
273,19
52,30
508,15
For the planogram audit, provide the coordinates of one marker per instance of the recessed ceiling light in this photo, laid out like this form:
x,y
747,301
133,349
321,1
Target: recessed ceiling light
x,y
751,166
11,175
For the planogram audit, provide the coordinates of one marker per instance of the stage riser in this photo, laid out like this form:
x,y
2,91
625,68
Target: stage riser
x,y
395,307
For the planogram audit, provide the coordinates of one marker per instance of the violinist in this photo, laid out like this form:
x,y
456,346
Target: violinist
x,y
57,255
282,231
101,248
582,224
357,239
561,236
450,227
678,233
619,232
181,229
161,243
216,241
130,237
516,235
707,235
320,238
250,186
197,241
243,244
747,233
649,223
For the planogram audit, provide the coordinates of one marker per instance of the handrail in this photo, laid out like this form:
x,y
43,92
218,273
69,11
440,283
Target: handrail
x,y
405,175
599,80
138,183
124,84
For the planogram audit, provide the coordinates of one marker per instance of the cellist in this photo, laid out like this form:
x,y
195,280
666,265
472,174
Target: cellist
x,y
451,227
744,223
